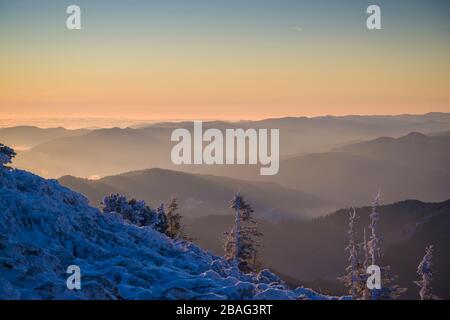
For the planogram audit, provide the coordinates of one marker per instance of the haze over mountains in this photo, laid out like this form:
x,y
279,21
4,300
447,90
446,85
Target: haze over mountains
x,y
150,146
203,195
341,159
415,166
26,137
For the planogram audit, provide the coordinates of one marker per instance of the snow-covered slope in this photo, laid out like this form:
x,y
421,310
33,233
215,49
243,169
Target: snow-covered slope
x,y
45,227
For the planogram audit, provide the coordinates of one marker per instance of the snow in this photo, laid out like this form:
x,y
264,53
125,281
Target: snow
x,y
44,228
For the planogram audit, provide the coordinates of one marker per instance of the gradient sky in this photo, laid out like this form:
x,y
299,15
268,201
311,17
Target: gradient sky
x,y
208,59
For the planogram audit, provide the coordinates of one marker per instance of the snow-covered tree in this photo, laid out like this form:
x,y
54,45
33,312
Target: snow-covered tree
x,y
425,272
353,279
376,240
249,240
161,223
175,228
6,155
233,238
241,244
364,266
388,291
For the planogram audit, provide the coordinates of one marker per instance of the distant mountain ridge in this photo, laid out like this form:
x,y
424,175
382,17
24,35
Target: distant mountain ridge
x,y
422,151
341,159
150,146
415,166
29,136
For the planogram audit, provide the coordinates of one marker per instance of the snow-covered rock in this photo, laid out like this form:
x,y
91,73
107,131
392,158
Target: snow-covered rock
x,y
44,228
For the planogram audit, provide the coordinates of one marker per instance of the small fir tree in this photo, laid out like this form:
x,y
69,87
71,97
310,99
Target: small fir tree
x,y
424,270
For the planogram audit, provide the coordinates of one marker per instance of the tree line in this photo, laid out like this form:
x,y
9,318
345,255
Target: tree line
x,y
361,256
241,243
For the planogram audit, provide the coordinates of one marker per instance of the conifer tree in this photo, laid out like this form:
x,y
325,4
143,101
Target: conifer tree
x,y
389,290
174,218
353,279
376,240
6,155
365,264
161,223
425,272
241,243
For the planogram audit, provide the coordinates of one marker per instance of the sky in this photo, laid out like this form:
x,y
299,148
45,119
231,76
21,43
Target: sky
x,y
209,59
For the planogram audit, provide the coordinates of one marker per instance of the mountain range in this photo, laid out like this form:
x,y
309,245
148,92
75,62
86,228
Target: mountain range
x,y
415,166
203,195
27,137
129,149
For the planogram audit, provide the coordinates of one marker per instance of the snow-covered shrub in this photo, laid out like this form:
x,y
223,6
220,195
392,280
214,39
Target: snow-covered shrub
x,y
134,211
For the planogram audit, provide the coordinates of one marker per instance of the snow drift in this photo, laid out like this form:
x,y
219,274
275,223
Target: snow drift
x,y
44,228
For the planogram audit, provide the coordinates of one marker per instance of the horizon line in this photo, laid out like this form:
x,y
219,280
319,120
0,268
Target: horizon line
x,y
133,122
